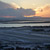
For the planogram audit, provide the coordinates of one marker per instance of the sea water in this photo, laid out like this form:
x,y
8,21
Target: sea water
x,y
24,35
19,25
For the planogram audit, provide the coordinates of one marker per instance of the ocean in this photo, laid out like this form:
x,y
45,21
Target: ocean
x,y
20,25
24,36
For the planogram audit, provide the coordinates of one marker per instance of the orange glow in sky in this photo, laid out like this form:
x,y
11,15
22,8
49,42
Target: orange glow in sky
x,y
9,16
28,16
43,11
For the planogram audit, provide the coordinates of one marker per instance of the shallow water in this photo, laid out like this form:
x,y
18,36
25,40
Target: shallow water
x,y
24,35
19,25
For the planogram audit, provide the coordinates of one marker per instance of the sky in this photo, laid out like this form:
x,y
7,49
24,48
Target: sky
x,y
29,3
26,8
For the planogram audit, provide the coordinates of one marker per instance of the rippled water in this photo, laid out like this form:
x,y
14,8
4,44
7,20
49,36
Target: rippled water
x,y
24,35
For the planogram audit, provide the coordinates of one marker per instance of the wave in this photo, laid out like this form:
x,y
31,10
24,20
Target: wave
x,y
24,35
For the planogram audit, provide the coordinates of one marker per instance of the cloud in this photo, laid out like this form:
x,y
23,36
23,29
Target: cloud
x,y
14,5
9,10
46,7
44,11
20,12
6,5
27,12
